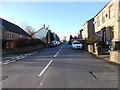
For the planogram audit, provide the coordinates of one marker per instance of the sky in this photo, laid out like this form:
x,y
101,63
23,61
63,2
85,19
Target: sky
x,y
63,18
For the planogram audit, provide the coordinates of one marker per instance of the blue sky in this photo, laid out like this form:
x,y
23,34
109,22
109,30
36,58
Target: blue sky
x,y
63,18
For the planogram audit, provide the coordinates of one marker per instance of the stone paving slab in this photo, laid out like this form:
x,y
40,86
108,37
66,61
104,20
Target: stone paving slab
x,y
106,76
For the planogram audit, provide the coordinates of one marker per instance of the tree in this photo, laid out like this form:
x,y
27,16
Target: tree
x,y
44,39
51,37
75,37
65,39
29,29
70,38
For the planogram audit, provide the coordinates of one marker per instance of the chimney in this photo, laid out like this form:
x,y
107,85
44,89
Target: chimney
x,y
44,26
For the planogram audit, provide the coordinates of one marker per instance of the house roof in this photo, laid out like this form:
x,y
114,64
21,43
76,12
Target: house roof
x,y
13,28
88,21
102,8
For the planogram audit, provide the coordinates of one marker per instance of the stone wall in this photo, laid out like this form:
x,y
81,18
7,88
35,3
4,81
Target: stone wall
x,y
90,48
115,56
95,49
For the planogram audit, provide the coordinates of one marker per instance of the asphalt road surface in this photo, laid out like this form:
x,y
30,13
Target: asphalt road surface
x,y
59,67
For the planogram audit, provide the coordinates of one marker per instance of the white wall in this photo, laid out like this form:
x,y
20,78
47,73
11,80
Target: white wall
x,y
40,34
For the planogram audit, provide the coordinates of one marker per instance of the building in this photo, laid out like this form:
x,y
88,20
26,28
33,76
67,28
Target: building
x,y
88,29
56,38
80,34
107,24
41,33
11,31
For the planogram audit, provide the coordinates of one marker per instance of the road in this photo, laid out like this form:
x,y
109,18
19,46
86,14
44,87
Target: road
x,y
59,67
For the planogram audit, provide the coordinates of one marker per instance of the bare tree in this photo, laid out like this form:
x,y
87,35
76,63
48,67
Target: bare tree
x,y
29,30
65,39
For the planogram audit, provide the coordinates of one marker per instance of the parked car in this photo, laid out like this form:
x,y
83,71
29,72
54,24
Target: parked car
x,y
52,44
57,43
77,45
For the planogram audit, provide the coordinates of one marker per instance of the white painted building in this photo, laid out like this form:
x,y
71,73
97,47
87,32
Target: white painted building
x,y
41,33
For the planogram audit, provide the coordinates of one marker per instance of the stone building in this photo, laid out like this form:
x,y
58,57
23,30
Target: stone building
x,y
11,31
88,29
107,24
80,34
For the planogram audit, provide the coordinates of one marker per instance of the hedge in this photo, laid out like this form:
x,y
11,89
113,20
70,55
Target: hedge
x,y
3,43
23,42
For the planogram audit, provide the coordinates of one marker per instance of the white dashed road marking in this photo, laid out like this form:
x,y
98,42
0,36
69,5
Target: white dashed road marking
x,y
16,58
45,68
48,65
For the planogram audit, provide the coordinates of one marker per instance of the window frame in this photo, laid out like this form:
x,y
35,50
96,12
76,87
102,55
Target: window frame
x,y
98,21
111,11
103,17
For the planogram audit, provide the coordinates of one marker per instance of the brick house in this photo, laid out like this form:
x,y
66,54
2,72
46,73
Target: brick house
x,y
107,24
12,31
88,29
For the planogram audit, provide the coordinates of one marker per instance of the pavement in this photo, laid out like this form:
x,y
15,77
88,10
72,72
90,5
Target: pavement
x,y
59,67
104,57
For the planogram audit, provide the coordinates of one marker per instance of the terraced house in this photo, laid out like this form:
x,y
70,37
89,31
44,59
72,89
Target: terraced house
x,y
88,30
12,31
107,24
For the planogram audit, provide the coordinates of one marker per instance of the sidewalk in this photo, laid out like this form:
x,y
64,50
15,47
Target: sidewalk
x,y
106,58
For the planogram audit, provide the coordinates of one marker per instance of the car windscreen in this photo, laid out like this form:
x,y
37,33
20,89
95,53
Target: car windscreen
x,y
52,43
76,43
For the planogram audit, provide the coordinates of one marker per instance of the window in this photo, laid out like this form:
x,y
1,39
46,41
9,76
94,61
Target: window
x,y
111,12
98,21
111,32
7,35
103,17
98,35
10,36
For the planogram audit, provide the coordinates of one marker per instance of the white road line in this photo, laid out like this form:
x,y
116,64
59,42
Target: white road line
x,y
59,50
45,68
56,54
